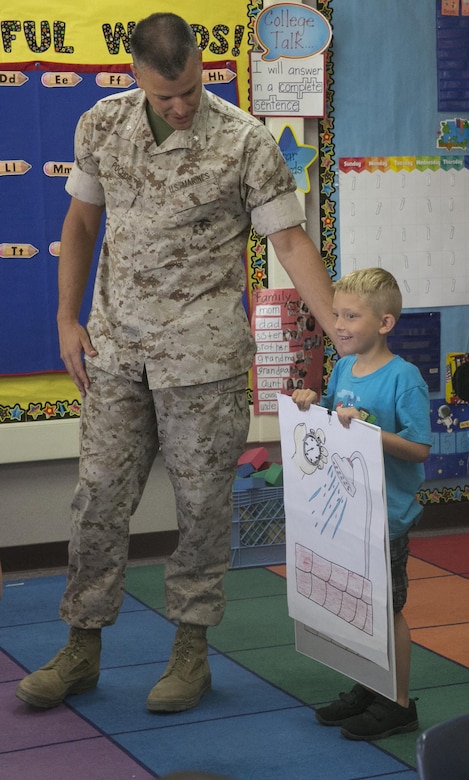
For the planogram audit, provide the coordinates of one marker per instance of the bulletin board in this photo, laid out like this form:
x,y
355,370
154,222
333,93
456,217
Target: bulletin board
x,y
391,114
290,347
34,174
55,62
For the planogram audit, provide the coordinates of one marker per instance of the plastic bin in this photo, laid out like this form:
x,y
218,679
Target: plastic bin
x,y
258,529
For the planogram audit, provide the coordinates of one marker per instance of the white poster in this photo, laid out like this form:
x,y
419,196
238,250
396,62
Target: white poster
x,y
338,581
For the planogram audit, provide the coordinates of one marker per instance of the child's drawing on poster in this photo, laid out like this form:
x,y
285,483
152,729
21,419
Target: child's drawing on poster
x,y
336,528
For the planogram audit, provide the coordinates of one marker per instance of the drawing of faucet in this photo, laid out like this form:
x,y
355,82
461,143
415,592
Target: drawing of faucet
x,y
344,470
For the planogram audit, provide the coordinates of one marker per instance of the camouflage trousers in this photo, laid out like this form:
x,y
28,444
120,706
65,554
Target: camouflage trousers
x,y
201,431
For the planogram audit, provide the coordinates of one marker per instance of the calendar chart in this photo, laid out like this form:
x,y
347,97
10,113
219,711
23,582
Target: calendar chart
x,y
408,215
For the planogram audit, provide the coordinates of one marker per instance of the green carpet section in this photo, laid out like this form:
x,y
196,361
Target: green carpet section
x,y
258,634
146,583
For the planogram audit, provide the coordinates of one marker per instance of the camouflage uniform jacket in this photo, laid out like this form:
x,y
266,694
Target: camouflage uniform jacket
x,y
170,279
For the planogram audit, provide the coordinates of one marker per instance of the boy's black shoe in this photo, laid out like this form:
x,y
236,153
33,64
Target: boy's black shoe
x,y
347,705
381,719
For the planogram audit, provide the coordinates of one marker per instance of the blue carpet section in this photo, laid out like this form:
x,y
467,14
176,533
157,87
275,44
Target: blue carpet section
x,y
273,745
246,728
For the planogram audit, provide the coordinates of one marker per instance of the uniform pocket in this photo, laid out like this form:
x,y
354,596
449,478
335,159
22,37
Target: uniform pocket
x,y
121,184
192,199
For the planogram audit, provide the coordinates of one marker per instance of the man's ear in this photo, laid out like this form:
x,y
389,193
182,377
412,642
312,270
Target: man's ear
x,y
135,72
387,323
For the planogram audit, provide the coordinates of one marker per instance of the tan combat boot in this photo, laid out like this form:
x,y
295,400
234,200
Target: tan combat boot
x,y
187,676
75,669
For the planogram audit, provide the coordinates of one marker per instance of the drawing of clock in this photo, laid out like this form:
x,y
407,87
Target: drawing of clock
x,y
310,453
313,447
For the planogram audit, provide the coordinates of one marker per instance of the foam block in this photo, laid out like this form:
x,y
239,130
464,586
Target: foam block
x,y
245,470
257,457
249,483
274,475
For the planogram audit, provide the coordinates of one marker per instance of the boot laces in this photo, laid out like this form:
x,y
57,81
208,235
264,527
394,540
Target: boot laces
x,y
72,650
183,648
77,644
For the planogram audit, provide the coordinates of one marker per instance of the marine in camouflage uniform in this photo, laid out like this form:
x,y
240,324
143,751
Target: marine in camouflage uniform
x,y
171,344
168,308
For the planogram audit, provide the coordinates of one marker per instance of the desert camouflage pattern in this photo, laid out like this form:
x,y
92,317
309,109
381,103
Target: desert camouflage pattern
x,y
168,295
202,431
167,309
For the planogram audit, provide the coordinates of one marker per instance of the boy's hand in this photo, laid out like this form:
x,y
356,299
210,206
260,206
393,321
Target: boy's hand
x,y
346,414
304,399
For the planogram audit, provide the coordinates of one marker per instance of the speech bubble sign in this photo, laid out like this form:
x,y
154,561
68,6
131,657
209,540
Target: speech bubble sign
x,y
292,30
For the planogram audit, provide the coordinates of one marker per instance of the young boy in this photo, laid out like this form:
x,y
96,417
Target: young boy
x,y
370,383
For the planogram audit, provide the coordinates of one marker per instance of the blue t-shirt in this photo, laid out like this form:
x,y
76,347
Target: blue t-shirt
x,y
395,397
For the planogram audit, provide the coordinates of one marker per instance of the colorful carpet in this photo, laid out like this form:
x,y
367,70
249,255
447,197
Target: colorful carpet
x,y
258,721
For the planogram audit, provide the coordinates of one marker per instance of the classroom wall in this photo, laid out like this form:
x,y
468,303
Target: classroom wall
x,y
388,75
396,83
36,497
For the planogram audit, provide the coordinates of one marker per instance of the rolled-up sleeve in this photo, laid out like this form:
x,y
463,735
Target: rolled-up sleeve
x,y
278,214
84,187
269,185
83,182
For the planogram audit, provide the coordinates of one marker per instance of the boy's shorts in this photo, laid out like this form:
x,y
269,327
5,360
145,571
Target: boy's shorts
x,y
399,549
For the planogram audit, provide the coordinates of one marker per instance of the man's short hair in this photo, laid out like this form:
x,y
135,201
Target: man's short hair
x,y
163,42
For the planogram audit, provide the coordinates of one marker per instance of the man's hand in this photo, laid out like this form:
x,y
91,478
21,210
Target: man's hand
x,y
79,233
74,341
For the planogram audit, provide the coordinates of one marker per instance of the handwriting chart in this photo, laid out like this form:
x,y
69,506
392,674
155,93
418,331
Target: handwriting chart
x,y
408,215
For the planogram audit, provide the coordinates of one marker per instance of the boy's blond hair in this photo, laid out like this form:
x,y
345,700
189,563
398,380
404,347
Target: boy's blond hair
x,y
377,286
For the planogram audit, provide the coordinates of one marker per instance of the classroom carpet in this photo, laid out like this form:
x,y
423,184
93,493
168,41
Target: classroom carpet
x,y
258,721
